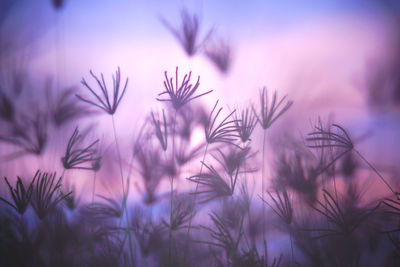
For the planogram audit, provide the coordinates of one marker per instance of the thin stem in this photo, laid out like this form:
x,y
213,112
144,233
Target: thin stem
x,y
94,185
194,201
172,187
125,197
377,173
119,156
291,246
263,189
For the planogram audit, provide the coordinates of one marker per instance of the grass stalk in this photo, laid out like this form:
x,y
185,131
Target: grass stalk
x,y
262,193
377,173
124,193
94,185
194,201
172,189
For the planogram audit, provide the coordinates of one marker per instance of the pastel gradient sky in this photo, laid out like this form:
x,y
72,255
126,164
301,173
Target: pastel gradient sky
x,y
314,51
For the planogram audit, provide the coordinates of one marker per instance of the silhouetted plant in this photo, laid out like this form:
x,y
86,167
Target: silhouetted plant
x,y
181,214
46,193
223,236
345,219
270,112
188,34
180,95
224,132
77,157
21,196
245,121
212,184
219,52
103,102
283,205
340,139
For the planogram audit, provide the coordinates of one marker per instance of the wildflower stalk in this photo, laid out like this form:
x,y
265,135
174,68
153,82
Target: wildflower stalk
x,y
125,197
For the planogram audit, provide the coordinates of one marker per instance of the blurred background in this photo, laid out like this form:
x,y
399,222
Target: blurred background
x,y
335,59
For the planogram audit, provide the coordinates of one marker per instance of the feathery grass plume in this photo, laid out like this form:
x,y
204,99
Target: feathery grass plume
x,y
245,121
327,138
180,95
223,236
7,109
160,128
103,102
181,214
21,196
270,112
64,108
345,219
326,155
188,34
46,194
224,132
283,205
77,157
213,184
220,54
